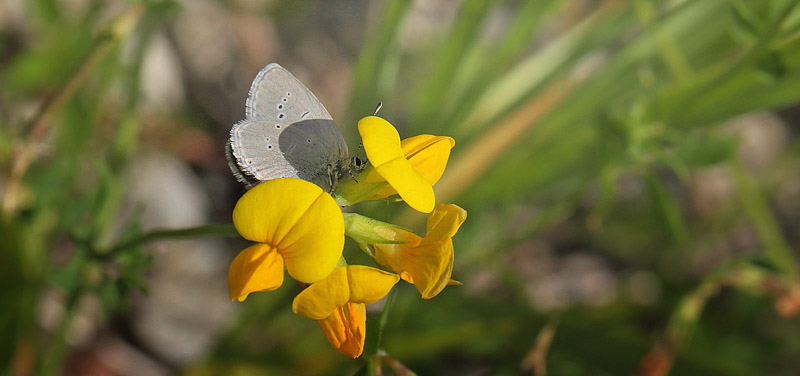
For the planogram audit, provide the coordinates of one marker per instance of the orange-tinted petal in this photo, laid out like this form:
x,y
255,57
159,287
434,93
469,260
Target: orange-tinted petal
x,y
345,328
407,277
428,266
428,262
257,268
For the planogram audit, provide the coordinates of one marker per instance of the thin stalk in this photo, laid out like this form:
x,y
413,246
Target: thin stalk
x,y
738,274
373,351
55,351
670,51
399,368
226,230
756,206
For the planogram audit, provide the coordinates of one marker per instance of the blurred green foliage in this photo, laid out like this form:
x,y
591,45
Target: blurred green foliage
x,y
551,116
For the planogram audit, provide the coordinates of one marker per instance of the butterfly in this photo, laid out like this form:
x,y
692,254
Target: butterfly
x,y
288,133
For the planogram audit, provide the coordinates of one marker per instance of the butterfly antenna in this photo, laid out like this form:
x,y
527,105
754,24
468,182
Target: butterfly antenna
x,y
378,108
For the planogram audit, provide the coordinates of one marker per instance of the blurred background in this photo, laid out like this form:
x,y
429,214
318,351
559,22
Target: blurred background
x,y
631,171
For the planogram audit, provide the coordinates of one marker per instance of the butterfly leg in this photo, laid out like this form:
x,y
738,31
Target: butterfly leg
x,y
352,175
331,178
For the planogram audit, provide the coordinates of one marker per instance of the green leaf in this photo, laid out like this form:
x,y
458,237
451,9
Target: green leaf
x,y
668,207
771,64
372,61
452,52
706,149
746,19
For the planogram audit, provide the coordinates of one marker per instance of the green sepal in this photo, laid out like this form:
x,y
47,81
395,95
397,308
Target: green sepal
x,y
365,230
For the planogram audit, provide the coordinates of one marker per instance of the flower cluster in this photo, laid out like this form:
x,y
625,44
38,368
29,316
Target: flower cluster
x,y
300,228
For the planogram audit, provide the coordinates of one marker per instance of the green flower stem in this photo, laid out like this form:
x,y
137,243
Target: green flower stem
x,y
668,207
53,354
399,368
226,230
372,350
737,274
776,248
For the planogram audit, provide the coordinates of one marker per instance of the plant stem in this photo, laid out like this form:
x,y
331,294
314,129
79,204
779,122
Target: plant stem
x,y
226,230
776,248
53,355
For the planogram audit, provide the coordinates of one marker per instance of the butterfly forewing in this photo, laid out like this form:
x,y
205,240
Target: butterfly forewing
x,y
278,95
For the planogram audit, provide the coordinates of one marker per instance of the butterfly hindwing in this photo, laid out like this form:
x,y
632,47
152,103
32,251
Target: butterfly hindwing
x,y
255,146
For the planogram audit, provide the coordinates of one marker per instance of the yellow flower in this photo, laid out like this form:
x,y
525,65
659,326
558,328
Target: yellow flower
x,y
296,225
338,304
426,262
409,168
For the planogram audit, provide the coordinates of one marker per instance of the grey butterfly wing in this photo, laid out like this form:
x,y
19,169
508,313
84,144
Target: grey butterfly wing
x,y
278,95
311,150
255,147
316,149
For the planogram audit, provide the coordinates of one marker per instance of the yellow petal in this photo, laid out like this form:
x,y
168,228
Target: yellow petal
x,y
345,329
427,263
428,155
314,246
382,145
443,223
407,277
304,223
320,299
428,267
257,268
354,283
453,282
414,190
381,140
368,285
